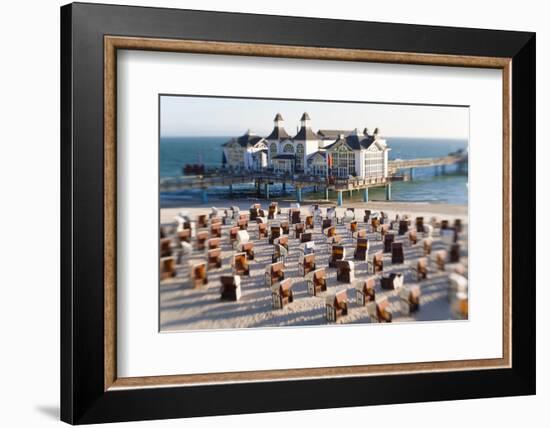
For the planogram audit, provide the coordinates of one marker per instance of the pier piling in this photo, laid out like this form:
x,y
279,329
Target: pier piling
x,y
366,194
388,192
340,199
266,186
326,193
299,194
204,196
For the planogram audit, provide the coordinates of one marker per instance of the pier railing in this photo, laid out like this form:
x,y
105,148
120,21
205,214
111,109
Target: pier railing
x,y
224,176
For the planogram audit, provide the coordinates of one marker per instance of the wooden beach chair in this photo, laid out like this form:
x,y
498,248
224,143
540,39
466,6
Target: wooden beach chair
x,y
419,224
295,216
202,221
242,223
457,284
382,231
454,255
361,249
427,246
366,216
458,225
275,232
336,305
282,240
262,230
167,267
275,272
202,237
345,271
331,231
412,237
214,243
440,259
444,224
349,215
216,230
306,237
214,212
233,234
215,258
281,294
285,227
248,249
376,264
280,254
353,227
316,281
326,224
310,222
165,247
365,290
272,211
299,228
388,241
361,234
380,310
409,298
307,247
392,281
254,212
448,236
240,264
230,288
397,255
403,227
421,268
306,264
198,275
338,252
184,235
459,306
242,238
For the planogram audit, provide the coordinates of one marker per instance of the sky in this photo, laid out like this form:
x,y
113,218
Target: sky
x,y
186,116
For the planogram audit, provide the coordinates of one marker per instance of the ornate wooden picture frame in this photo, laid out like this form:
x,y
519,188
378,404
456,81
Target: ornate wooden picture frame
x,y
91,389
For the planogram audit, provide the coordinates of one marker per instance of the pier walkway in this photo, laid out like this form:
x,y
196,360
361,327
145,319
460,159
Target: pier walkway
x,y
221,177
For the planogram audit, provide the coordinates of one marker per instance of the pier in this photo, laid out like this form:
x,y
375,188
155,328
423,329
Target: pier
x,y
398,170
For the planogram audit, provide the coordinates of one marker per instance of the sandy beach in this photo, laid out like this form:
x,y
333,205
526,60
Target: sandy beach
x,y
184,308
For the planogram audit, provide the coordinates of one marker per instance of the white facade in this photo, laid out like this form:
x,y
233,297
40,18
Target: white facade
x,y
349,153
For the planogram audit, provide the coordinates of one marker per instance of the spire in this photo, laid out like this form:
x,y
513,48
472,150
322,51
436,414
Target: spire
x,y
305,120
278,132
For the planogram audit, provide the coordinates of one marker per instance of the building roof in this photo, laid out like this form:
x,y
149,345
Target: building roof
x,y
355,141
246,140
306,134
278,117
284,156
318,152
332,133
305,116
278,133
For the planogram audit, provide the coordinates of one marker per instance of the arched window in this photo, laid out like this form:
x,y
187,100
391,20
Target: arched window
x,y
273,149
288,148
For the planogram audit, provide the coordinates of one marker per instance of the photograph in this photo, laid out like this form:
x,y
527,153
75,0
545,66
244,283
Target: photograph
x,y
294,213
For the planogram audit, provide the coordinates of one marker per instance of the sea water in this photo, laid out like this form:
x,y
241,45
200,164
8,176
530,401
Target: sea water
x,y
427,185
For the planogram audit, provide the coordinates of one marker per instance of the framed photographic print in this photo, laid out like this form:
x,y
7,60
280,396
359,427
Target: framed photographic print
x,y
317,213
